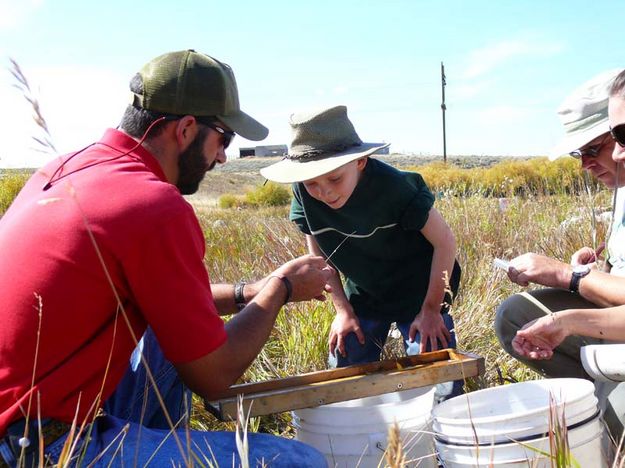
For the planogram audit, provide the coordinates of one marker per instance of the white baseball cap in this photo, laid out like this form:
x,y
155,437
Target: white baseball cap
x,y
584,114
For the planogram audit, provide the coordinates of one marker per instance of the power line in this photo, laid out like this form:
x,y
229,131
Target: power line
x,y
443,109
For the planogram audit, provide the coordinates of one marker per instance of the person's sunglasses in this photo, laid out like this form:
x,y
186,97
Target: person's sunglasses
x,y
590,151
226,135
618,134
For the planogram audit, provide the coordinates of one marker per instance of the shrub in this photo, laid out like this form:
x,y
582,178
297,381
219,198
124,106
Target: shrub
x,y
536,176
269,194
10,185
228,200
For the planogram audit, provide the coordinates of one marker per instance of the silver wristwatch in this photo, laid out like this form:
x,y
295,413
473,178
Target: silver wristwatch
x,y
579,271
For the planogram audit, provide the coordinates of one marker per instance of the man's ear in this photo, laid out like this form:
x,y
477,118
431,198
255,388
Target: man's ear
x,y
186,130
362,162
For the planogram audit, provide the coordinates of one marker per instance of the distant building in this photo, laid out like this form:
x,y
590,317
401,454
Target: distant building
x,y
281,150
245,152
263,151
383,150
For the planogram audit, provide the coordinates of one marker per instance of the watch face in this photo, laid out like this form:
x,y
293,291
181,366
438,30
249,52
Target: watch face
x,y
581,269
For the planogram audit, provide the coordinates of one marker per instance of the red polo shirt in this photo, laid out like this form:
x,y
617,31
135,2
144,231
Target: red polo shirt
x,y
110,247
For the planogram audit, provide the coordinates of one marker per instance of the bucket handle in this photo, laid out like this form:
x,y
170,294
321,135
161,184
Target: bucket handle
x,y
438,438
378,440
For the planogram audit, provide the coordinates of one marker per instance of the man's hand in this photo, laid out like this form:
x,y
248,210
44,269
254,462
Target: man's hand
x,y
586,255
343,324
431,326
539,269
309,277
538,338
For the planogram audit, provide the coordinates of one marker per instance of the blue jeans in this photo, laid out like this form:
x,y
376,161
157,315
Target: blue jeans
x,y
135,432
376,332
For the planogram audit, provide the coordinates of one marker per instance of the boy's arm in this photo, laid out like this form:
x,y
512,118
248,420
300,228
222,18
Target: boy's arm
x,y
345,321
429,321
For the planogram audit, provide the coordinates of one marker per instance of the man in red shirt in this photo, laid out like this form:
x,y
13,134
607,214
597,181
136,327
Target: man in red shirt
x,y
99,247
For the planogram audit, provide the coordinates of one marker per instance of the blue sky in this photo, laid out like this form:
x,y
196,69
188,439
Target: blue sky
x,y
509,64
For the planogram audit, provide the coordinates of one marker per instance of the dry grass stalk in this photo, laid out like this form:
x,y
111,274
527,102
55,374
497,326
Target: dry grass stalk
x,y
394,454
241,433
559,448
619,455
44,142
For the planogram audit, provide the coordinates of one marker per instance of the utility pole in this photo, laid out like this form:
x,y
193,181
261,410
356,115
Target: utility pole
x,y
443,108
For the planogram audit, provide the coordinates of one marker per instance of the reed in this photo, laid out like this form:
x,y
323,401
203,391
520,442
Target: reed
x,y
44,141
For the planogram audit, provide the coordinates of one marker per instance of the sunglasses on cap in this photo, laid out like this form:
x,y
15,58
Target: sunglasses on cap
x,y
618,134
226,135
589,151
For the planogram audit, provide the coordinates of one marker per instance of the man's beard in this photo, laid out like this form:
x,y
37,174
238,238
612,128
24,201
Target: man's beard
x,y
192,166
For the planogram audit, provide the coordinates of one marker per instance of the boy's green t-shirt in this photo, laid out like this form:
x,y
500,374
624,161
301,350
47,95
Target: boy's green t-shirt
x,y
386,260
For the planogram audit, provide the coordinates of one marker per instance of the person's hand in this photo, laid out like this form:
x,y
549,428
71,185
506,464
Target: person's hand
x,y
309,276
534,268
431,326
538,338
343,324
586,255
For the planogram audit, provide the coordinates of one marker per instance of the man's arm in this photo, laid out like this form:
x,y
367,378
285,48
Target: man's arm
x,y
598,287
249,329
539,338
603,289
223,295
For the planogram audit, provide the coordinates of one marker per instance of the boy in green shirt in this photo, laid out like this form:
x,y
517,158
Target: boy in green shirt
x,y
378,227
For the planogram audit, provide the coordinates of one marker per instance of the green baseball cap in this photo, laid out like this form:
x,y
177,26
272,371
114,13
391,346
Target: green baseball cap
x,y
187,82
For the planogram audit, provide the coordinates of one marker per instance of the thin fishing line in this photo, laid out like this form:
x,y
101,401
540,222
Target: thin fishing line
x,y
312,233
347,236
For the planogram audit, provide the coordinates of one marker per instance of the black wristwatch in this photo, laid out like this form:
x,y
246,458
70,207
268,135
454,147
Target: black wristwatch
x,y
579,271
239,297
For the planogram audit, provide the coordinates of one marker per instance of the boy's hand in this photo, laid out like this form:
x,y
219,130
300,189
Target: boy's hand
x,y
431,326
343,324
309,277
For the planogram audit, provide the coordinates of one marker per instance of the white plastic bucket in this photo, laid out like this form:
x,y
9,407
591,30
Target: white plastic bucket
x,y
354,433
508,425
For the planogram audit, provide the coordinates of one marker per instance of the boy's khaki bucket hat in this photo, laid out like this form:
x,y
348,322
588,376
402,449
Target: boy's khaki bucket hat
x,y
584,114
322,142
